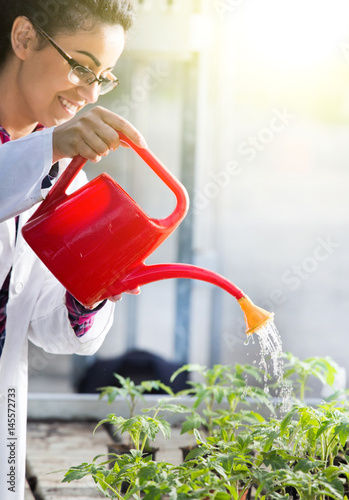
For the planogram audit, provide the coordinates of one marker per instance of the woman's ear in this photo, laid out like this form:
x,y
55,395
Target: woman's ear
x,y
23,36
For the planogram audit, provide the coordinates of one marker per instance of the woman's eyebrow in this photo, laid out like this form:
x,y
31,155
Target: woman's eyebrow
x,y
94,59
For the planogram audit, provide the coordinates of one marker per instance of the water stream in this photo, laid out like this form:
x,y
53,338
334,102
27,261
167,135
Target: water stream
x,y
271,349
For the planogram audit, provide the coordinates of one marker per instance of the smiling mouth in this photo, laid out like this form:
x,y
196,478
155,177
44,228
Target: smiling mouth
x,y
69,105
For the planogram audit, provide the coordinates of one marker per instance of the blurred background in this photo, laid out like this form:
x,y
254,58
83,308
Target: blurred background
x,y
247,102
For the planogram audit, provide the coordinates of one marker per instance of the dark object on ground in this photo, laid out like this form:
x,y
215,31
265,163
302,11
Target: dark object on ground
x,y
135,364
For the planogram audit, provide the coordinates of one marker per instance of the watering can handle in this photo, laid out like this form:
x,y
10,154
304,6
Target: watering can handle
x,y
58,191
168,178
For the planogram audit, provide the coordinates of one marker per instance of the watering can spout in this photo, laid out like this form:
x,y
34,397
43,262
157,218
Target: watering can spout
x,y
255,317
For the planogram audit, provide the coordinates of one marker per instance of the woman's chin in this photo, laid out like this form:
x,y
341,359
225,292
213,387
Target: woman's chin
x,y
53,122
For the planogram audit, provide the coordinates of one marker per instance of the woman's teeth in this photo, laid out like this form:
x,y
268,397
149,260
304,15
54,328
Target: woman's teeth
x,y
69,105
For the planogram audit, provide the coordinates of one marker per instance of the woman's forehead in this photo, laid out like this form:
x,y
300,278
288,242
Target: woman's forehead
x,y
103,44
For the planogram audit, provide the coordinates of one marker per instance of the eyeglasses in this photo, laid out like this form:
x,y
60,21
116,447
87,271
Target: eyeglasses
x,y
80,75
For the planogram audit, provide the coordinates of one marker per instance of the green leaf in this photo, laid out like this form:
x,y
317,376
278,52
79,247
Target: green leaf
x,y
146,473
275,461
194,453
197,436
335,396
252,370
195,473
175,408
342,430
306,465
200,397
153,494
222,496
287,420
74,475
219,393
334,486
191,367
164,427
193,422
324,427
271,438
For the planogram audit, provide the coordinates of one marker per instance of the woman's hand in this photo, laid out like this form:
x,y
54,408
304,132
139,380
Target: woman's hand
x,y
93,135
134,291
116,298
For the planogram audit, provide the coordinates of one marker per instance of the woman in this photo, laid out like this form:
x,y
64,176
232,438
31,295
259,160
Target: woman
x,y
56,56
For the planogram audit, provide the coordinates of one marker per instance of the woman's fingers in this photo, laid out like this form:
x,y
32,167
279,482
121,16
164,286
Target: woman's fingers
x,y
115,298
134,291
93,135
119,123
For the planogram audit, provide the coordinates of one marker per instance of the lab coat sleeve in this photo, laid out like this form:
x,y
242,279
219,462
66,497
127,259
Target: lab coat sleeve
x,y
23,165
50,327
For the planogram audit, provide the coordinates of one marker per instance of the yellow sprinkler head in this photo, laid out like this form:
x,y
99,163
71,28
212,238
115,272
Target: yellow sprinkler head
x,y
255,317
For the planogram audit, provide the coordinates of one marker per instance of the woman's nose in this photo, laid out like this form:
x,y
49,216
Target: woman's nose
x,y
89,92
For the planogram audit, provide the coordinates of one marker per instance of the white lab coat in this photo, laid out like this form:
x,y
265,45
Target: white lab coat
x,y
36,307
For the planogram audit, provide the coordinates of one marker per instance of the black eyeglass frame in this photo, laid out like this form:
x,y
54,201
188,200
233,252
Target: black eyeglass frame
x,y
74,64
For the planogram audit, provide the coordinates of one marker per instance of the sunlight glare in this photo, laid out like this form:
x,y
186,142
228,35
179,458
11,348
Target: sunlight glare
x,y
293,33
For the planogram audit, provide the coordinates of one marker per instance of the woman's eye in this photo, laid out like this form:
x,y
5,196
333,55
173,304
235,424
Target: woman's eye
x,y
84,73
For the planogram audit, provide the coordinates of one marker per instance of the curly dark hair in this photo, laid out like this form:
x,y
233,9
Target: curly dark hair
x,y
62,16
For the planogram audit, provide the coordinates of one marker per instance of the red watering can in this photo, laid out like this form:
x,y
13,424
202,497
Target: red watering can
x,y
95,240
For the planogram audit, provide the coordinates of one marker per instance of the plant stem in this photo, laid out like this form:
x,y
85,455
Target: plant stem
x,y
143,442
209,406
132,407
99,480
323,448
302,390
146,435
